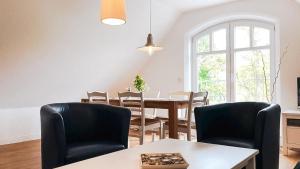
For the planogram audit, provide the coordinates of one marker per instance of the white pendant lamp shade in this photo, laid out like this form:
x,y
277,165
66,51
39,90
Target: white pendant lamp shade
x,y
113,12
149,47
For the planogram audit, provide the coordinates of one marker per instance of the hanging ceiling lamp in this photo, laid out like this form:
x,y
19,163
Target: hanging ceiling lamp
x,y
150,47
113,12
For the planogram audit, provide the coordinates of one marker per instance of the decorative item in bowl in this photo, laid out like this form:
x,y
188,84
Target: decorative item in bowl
x,y
163,161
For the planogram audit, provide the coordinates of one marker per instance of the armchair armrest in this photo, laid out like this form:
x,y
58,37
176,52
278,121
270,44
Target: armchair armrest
x,y
267,135
53,142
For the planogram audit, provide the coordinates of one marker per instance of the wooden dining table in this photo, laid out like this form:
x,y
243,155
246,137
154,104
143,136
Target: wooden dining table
x,y
172,105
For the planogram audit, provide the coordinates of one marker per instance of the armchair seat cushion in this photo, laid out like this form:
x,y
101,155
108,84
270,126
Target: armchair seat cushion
x,y
82,151
235,142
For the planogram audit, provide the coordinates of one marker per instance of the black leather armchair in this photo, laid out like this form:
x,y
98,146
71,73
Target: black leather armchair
x,y
76,131
245,124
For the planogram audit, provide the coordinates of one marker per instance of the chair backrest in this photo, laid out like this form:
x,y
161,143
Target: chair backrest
x,y
98,97
135,102
196,99
179,94
132,100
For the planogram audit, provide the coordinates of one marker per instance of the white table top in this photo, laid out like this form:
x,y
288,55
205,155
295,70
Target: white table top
x,y
291,112
198,155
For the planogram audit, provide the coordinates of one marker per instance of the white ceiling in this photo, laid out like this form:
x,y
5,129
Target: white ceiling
x,y
186,5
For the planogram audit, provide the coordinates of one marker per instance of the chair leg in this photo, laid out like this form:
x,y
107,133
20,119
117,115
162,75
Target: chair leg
x,y
142,136
141,140
189,135
153,137
163,132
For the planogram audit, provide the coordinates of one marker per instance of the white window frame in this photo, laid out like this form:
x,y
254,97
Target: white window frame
x,y
230,74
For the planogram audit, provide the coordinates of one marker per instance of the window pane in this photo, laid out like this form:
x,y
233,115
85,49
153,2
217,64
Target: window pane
x,y
252,77
261,37
203,44
219,40
241,37
212,76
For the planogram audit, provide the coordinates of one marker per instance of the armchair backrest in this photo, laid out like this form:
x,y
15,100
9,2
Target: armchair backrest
x,y
236,120
66,123
85,122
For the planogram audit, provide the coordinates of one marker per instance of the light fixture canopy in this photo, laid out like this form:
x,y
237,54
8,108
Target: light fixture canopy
x,y
150,47
113,12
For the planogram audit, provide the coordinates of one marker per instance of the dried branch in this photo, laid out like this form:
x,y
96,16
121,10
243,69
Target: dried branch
x,y
278,71
265,77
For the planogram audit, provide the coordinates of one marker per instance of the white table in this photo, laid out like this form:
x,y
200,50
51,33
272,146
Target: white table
x,y
198,155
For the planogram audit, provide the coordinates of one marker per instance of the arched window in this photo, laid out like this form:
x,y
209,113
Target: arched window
x,y
234,61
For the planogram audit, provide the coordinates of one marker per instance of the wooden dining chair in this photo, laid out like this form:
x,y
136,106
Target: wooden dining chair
x,y
139,124
98,97
186,125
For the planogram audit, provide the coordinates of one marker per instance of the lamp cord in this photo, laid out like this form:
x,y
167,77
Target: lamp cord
x,y
150,16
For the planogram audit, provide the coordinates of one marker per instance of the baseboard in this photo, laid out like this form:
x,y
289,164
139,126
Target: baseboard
x,y
12,140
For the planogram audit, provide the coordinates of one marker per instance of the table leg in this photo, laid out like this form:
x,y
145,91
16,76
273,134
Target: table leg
x,y
251,164
173,120
284,134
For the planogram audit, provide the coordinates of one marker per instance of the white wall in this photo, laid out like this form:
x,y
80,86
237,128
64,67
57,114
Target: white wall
x,y
56,50
167,72
19,124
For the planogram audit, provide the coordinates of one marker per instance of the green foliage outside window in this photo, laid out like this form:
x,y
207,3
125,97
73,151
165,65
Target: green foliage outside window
x,y
212,77
252,76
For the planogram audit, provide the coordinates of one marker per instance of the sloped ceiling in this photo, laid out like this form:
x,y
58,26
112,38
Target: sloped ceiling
x,y
56,50
186,5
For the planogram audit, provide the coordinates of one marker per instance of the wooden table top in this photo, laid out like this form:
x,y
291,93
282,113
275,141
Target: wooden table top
x,y
149,99
198,155
163,103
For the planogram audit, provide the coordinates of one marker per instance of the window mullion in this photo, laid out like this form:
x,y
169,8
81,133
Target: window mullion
x,y
251,36
211,52
194,67
230,65
252,48
210,42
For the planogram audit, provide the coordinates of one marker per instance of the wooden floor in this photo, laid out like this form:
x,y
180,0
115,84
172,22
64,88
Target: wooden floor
x,y
27,155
